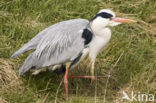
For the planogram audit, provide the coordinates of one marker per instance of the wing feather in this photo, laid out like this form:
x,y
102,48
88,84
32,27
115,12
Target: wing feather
x,y
62,42
61,47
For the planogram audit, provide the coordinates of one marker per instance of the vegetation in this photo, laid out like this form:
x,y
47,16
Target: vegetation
x,y
129,58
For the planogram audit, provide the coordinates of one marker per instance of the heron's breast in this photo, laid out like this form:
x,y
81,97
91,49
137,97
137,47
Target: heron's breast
x,y
99,42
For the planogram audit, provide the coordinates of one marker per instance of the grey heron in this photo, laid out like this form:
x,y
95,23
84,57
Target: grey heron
x,y
66,43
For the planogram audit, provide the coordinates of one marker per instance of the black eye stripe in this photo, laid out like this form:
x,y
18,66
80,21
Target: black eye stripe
x,y
103,15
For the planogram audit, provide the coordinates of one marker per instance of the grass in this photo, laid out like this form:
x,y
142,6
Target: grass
x,y
130,57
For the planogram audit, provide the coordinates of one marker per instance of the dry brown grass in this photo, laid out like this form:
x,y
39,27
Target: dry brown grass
x,y
8,78
3,101
8,75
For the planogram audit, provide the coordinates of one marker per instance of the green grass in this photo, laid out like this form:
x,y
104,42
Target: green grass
x,y
130,57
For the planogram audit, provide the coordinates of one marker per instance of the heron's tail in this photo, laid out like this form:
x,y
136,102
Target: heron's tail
x,y
28,64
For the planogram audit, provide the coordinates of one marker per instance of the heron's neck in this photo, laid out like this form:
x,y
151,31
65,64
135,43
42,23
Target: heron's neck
x,y
101,38
100,30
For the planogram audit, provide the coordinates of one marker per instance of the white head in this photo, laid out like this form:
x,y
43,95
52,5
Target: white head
x,y
105,18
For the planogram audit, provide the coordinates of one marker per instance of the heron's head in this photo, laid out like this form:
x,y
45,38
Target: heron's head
x,y
106,18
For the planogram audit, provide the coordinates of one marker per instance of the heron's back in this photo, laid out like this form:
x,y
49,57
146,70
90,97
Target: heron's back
x,y
56,44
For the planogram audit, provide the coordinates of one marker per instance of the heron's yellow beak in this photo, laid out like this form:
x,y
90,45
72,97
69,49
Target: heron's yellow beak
x,y
123,20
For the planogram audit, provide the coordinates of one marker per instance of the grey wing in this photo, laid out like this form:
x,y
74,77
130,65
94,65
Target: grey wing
x,y
60,49
59,45
32,44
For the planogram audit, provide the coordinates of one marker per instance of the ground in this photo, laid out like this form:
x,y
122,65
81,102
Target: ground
x,y
128,61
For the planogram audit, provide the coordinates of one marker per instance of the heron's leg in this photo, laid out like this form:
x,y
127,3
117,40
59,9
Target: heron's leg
x,y
92,71
66,80
92,77
89,77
